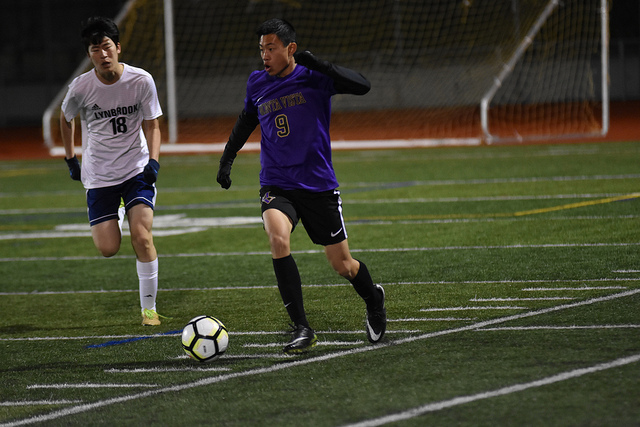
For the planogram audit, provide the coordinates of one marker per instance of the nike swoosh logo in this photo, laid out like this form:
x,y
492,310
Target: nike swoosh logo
x,y
336,233
374,336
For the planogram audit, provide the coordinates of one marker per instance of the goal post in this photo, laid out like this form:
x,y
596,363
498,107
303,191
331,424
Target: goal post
x,y
442,72
170,63
525,43
146,35
508,67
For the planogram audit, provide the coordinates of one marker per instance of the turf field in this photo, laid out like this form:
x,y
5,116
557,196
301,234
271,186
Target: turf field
x,y
512,278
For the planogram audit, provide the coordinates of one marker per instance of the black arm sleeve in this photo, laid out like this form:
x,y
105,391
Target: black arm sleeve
x,y
242,130
345,80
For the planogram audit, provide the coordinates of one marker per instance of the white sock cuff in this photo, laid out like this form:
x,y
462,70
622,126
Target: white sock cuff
x,y
147,270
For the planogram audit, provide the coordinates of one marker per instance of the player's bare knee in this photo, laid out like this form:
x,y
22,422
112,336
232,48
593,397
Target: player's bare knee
x,y
109,251
141,244
278,243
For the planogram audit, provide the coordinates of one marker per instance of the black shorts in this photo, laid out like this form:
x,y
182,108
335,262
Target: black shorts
x,y
320,213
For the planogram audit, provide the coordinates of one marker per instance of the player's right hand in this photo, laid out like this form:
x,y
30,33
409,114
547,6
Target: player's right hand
x,y
74,167
224,175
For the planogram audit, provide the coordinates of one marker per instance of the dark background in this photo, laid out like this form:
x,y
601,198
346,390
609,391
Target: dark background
x,y
40,50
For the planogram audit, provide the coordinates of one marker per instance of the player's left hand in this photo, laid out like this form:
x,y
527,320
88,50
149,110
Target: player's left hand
x,y
307,59
312,62
74,167
150,173
224,175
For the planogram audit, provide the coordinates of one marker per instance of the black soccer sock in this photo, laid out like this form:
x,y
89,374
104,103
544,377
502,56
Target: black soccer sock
x,y
363,284
290,286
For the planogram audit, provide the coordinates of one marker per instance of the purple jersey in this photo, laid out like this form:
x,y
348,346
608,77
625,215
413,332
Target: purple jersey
x,y
294,113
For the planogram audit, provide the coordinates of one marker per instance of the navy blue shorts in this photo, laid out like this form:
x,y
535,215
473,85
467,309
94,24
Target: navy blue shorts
x,y
320,213
103,203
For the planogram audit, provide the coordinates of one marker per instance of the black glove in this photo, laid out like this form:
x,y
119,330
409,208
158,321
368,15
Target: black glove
x,y
307,59
150,173
243,128
74,167
345,80
224,174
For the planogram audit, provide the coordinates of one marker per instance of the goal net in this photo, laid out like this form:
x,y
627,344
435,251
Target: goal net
x,y
441,70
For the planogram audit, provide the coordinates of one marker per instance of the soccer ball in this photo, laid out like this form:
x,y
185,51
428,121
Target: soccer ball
x,y
205,338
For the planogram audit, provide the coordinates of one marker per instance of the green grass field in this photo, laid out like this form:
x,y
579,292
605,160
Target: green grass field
x,y
512,278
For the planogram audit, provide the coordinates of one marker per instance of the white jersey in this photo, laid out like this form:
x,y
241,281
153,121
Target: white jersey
x,y
114,147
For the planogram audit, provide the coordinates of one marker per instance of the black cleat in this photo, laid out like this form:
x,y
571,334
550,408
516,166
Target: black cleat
x,y
377,320
302,340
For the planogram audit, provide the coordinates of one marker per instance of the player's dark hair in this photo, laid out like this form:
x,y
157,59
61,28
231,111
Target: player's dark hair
x,y
281,28
97,28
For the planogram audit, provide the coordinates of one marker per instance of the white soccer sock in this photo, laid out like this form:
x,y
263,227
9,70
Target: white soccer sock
x,y
148,277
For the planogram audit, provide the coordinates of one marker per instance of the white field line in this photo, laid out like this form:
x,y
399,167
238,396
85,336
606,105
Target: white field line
x,y
318,251
581,288
432,407
103,337
80,408
320,343
176,231
175,334
461,400
490,322
520,299
218,147
89,385
432,319
517,282
559,178
467,282
558,328
64,234
154,370
244,205
244,356
488,307
553,151
482,198
478,181
238,356
39,402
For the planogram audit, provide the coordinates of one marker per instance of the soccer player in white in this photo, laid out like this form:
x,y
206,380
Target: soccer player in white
x,y
119,109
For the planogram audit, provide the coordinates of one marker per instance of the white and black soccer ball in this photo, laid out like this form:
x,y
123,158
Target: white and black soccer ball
x,y
205,338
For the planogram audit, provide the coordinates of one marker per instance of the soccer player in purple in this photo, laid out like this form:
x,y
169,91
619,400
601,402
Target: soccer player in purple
x,y
291,100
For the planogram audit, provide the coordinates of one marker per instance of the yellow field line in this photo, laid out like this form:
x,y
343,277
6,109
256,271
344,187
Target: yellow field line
x,y
578,205
22,172
505,214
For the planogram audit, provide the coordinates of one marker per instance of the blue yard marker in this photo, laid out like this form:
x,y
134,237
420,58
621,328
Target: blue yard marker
x,y
128,340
